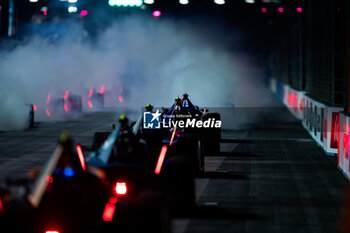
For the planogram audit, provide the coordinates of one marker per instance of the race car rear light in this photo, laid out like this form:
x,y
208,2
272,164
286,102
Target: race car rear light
x,y
90,104
91,92
49,179
102,90
81,157
66,95
65,107
120,188
109,210
160,159
204,111
172,137
48,98
1,207
47,112
52,232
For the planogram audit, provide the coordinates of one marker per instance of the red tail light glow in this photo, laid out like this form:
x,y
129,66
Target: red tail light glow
x,y
109,210
90,104
81,157
52,232
120,98
91,92
204,111
49,179
66,95
102,90
1,207
160,159
65,107
120,188
48,98
35,107
47,112
172,137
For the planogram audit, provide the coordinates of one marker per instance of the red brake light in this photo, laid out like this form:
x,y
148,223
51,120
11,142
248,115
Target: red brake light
x,y
66,95
1,207
121,188
160,159
90,104
81,157
52,232
109,210
102,90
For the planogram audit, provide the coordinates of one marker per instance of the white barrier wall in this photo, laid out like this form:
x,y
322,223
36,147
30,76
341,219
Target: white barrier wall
x,y
320,120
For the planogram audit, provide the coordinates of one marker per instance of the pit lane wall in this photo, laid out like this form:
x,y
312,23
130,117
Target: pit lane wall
x,y
322,122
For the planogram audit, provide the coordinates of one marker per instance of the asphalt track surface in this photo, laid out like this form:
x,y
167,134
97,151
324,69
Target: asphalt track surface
x,y
269,177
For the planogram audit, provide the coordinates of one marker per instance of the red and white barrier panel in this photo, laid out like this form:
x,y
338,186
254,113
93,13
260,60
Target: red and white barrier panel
x,y
322,122
293,99
343,150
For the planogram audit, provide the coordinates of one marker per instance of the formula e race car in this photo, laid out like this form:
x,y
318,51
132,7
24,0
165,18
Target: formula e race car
x,y
194,131
70,196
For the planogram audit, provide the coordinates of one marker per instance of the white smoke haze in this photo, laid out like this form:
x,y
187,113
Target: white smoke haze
x,y
155,61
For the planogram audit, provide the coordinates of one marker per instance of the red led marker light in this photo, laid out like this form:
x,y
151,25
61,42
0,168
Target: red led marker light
x,y
90,104
65,107
160,159
47,112
172,136
49,179
48,98
120,98
66,95
121,188
81,157
35,108
91,92
1,207
108,213
102,90
52,232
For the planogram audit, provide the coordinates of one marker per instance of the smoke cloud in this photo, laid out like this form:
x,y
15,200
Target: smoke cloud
x,y
152,60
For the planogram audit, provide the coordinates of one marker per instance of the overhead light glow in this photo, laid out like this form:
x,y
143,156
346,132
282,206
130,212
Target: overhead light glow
x,y
72,9
183,2
250,1
72,1
148,1
33,0
219,2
